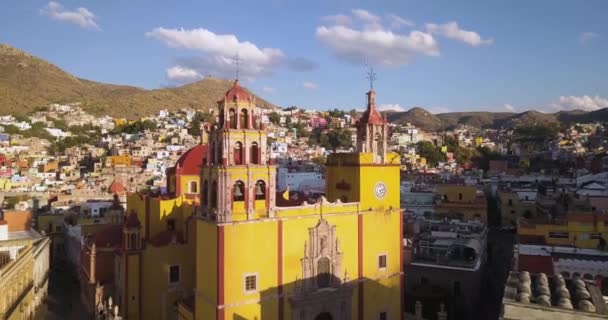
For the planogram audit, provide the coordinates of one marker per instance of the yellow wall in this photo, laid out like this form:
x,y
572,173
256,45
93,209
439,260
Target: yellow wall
x,y
205,251
577,232
158,296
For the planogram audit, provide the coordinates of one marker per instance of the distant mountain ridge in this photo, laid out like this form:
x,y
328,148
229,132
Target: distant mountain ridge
x,y
481,119
28,82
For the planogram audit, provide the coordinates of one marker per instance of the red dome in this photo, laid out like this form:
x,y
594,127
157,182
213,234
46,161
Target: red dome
x,y
191,160
236,93
371,115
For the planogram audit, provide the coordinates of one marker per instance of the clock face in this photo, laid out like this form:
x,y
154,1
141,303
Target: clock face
x,y
380,190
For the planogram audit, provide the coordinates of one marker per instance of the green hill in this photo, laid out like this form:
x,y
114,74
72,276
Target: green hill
x,y
28,82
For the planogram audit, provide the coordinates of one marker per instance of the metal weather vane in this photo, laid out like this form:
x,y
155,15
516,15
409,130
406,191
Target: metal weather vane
x,y
237,59
371,76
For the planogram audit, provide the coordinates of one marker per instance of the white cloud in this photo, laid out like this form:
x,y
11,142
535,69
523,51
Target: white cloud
x,y
510,107
587,103
81,16
390,107
368,38
269,89
310,85
451,30
181,74
221,51
365,16
378,47
587,37
396,22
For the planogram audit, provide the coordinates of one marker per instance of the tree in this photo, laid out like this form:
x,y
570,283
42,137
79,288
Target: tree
x,y
274,117
430,152
197,120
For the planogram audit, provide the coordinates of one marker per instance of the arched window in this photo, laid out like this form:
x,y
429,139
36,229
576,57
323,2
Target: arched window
x,y
255,153
233,119
323,273
260,190
244,122
238,191
238,153
214,194
193,187
205,196
222,119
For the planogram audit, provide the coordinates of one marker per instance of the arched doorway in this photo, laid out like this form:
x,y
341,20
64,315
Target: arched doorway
x,y
324,316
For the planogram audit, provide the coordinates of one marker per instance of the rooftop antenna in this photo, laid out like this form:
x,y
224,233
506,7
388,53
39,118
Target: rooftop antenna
x,y
237,59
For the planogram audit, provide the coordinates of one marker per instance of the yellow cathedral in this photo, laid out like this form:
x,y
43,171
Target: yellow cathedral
x,y
220,248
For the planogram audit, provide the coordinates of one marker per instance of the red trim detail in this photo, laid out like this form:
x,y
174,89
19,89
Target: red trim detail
x,y
360,264
220,272
147,218
280,269
246,198
402,289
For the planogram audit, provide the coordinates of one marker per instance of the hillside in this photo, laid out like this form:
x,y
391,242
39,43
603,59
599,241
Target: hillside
x,y
433,122
28,82
419,117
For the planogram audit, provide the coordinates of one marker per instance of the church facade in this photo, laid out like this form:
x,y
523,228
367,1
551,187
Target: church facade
x,y
337,258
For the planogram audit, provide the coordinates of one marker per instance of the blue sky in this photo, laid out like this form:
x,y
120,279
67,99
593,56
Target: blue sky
x,y
440,55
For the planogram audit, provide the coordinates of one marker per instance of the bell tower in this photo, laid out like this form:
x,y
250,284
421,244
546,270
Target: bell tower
x,y
238,182
370,175
372,128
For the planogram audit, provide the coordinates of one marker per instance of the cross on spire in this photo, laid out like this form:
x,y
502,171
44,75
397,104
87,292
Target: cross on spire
x,y
236,62
371,76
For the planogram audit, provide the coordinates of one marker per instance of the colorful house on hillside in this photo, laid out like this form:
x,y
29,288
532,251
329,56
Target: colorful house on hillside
x,y
233,253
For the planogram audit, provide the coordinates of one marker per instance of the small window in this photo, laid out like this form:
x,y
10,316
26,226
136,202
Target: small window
x,y
460,196
251,283
383,316
382,261
174,274
510,202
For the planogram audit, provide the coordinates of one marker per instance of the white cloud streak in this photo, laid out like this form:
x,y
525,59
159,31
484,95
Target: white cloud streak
x,y
586,37
451,30
80,16
391,107
396,22
310,85
587,103
182,75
